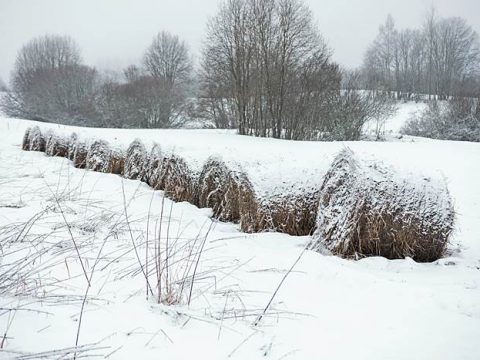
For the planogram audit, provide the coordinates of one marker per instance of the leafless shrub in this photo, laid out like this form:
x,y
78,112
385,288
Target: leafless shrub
x,y
368,210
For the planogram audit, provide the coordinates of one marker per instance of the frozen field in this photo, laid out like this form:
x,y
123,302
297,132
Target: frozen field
x,y
52,215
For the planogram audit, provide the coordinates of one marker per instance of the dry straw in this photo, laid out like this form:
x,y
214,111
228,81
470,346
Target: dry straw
x,y
56,146
71,146
366,209
116,163
36,140
153,167
26,140
98,156
177,180
135,159
80,152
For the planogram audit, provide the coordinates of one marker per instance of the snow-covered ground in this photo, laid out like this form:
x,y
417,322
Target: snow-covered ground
x,y
327,308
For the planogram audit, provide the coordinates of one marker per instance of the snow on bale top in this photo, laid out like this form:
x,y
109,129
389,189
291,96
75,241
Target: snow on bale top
x,y
368,209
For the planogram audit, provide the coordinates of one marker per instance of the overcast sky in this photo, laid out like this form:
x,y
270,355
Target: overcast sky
x,y
114,33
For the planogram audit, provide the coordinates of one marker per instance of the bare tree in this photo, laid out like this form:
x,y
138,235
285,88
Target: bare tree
x,y
438,59
49,83
168,64
168,59
269,60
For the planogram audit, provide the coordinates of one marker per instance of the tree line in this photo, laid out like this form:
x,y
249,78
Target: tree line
x,y
440,59
265,70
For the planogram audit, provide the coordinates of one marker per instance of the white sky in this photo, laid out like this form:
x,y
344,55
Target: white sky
x,y
115,33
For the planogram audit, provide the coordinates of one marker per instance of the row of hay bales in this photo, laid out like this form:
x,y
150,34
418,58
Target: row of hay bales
x,y
352,214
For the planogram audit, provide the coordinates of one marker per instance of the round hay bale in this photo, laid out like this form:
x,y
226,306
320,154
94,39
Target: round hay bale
x,y
26,139
80,152
72,145
246,203
212,186
56,146
177,180
367,209
117,162
153,166
98,156
135,161
37,140
293,213
227,190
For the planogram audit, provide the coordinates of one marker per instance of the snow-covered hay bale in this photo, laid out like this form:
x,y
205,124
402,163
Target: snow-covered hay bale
x,y
249,209
293,213
116,163
367,209
135,159
37,140
72,142
227,190
98,156
56,146
80,152
26,140
212,185
177,180
153,166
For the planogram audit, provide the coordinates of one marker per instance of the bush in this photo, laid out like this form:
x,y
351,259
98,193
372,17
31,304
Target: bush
x,y
456,119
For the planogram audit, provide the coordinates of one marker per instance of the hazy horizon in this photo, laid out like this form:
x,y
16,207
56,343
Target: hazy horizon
x,y
114,33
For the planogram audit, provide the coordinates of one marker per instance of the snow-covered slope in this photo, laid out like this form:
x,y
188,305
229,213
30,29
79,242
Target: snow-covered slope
x,y
327,308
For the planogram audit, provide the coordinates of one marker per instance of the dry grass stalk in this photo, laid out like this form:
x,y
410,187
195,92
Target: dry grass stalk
x,y
368,210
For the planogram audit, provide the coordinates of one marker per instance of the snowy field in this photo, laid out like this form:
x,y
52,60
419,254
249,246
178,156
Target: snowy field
x,y
58,223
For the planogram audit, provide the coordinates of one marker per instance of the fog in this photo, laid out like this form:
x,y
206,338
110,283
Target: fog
x,y
114,33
